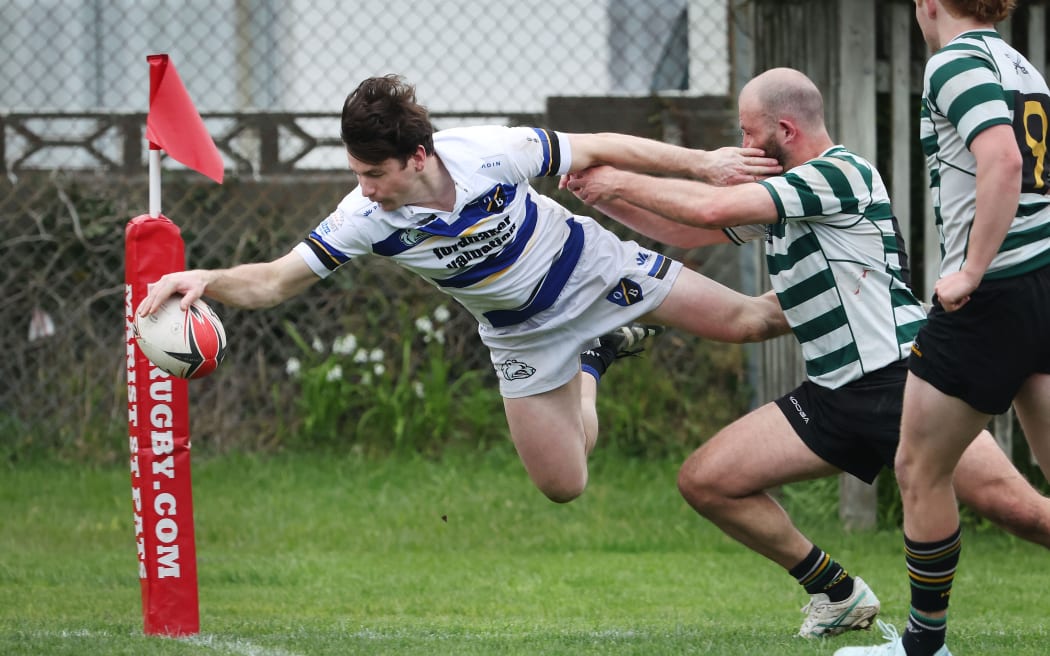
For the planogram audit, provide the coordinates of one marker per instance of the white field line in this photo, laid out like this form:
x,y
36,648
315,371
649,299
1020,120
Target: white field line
x,y
236,647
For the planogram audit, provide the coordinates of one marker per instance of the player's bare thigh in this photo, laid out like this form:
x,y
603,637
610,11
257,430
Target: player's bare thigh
x,y
704,307
758,451
548,432
1032,404
935,431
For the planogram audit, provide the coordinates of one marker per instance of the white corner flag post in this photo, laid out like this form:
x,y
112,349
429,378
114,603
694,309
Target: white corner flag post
x,y
154,181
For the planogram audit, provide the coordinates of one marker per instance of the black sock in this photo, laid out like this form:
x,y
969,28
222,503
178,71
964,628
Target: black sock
x,y
931,572
596,360
819,573
923,636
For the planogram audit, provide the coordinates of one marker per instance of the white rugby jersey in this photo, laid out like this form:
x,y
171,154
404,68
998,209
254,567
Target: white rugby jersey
x,y
837,262
976,81
504,251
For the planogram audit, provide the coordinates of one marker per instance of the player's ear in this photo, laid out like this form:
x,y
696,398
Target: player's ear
x,y
418,160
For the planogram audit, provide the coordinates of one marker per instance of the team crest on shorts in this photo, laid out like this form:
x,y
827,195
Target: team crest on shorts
x,y
626,292
516,369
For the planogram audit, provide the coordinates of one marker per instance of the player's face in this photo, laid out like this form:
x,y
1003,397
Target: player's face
x,y
758,130
389,183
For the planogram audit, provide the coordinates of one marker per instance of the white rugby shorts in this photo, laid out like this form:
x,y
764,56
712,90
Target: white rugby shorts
x,y
614,283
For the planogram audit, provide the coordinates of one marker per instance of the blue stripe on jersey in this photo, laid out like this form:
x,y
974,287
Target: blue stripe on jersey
x,y
502,258
494,201
399,241
331,257
548,290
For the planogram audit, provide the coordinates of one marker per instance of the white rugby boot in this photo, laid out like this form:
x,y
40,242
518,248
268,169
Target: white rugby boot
x,y
892,646
829,618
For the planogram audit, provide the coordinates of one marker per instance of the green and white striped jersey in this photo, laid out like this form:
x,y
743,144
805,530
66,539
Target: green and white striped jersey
x,y
837,262
976,81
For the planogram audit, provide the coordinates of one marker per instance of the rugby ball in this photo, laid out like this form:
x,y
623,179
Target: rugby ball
x,y
185,343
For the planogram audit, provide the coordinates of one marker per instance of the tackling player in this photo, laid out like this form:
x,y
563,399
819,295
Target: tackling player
x,y
836,259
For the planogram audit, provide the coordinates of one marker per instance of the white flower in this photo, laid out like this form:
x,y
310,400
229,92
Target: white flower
x,y
361,356
417,387
318,345
376,355
441,314
334,374
292,367
379,368
366,378
424,325
439,335
344,345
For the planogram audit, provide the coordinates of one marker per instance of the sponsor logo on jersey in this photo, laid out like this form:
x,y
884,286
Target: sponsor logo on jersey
x,y
1019,66
641,258
331,223
476,246
626,292
516,369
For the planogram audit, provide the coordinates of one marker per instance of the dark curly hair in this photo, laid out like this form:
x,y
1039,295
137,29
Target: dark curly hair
x,y
381,119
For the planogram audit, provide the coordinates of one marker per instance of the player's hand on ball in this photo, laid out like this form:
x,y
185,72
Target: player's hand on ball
x,y
186,343
190,284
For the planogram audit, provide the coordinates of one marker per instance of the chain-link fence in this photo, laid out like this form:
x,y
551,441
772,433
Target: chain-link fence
x,y
306,55
269,77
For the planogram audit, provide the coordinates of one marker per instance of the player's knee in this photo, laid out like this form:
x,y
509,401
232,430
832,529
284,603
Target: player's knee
x,y
563,490
696,485
904,469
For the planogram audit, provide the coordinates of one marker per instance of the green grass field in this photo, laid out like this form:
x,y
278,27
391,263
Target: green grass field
x,y
304,555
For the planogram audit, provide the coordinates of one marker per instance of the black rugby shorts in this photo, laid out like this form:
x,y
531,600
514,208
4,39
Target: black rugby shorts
x,y
983,352
855,427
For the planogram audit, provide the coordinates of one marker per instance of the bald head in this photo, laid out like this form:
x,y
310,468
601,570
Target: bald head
x,y
788,94
782,112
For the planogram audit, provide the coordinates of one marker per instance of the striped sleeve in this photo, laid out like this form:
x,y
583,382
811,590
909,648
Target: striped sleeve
x,y
964,87
319,250
553,144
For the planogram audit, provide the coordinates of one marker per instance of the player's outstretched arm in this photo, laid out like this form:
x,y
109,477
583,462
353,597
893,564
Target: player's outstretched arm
x,y
684,201
257,285
656,227
723,166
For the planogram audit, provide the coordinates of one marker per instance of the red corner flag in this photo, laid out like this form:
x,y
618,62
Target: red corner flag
x,y
173,124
